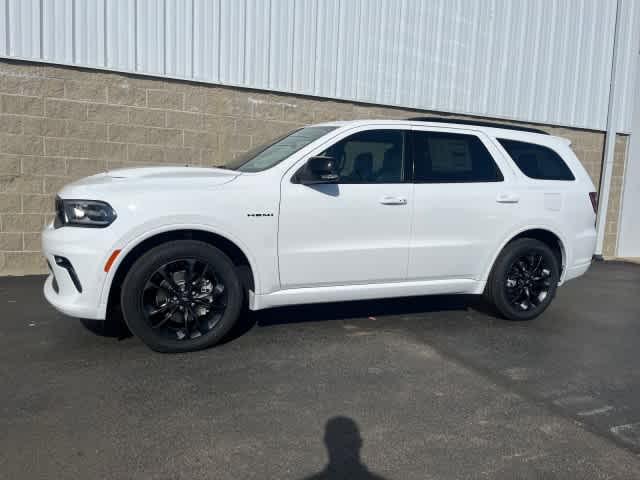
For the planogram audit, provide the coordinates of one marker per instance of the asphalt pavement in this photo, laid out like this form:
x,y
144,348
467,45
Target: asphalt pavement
x,y
422,388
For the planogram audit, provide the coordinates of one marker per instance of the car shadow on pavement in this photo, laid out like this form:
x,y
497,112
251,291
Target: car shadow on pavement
x,y
356,309
343,442
318,312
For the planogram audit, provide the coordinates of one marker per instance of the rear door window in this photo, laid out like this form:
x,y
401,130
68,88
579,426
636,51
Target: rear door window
x,y
442,157
537,161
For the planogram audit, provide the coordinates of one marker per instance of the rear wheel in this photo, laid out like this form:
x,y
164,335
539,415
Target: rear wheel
x,y
524,279
181,296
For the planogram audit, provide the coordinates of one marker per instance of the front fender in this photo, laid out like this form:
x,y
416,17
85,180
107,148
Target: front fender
x,y
169,224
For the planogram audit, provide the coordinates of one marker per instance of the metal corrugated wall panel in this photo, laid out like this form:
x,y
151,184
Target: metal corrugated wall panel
x,y
178,61
257,46
4,9
233,37
280,58
89,33
629,71
206,37
151,36
327,49
121,35
57,31
304,45
23,23
546,61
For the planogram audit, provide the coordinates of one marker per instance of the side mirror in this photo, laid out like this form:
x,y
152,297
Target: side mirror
x,y
318,170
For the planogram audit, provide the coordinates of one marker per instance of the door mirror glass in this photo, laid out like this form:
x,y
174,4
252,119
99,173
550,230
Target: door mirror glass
x,y
320,169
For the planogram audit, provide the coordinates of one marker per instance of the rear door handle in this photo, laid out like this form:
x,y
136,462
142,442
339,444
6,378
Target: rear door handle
x,y
393,201
507,198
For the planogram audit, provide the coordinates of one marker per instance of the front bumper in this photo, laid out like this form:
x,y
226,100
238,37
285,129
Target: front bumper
x,y
85,249
68,306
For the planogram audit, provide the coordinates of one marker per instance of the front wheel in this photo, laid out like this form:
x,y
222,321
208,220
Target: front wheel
x,y
524,279
181,296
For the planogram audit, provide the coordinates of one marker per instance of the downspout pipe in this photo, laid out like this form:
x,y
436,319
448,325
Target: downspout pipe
x,y
609,143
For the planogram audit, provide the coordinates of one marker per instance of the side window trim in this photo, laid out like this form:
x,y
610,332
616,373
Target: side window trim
x,y
412,142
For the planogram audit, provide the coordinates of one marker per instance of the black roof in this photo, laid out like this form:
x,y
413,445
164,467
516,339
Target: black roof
x,y
477,123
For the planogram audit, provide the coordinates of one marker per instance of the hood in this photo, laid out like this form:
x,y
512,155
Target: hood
x,y
150,178
171,172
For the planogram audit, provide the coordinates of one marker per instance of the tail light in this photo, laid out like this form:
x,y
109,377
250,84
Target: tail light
x,y
593,196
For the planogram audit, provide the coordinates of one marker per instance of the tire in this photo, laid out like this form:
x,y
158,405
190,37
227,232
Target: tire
x,y
524,280
166,291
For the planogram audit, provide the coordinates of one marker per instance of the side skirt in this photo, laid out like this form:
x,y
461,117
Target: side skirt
x,y
340,293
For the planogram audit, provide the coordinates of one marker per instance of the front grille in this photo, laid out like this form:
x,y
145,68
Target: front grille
x,y
59,218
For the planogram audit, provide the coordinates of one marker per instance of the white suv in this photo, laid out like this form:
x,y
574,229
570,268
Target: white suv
x,y
330,212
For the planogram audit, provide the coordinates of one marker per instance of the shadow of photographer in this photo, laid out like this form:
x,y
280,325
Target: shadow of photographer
x,y
344,442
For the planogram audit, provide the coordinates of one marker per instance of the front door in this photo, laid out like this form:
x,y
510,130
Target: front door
x,y
355,231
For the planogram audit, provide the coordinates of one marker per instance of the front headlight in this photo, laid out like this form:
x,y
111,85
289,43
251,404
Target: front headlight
x,y
83,213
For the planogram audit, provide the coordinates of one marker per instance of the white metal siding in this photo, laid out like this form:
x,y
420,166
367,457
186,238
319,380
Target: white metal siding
x,y
629,233
545,61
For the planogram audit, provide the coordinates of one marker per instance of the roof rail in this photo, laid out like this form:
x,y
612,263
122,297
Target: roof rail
x,y
477,123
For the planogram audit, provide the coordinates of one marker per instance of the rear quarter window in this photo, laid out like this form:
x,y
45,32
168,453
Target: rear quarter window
x,y
537,161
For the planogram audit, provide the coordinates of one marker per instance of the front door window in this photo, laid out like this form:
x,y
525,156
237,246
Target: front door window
x,y
373,156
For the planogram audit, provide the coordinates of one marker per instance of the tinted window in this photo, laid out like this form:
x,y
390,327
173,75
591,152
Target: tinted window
x,y
374,156
536,161
275,151
452,158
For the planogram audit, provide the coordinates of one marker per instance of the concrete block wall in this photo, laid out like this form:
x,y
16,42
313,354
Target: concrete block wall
x,y
58,124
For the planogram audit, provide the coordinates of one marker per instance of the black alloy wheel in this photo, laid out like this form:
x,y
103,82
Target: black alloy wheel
x,y
184,299
181,296
528,281
524,279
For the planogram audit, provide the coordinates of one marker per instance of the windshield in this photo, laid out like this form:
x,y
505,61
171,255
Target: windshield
x,y
275,151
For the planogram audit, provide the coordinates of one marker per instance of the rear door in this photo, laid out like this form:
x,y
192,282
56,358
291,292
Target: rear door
x,y
465,199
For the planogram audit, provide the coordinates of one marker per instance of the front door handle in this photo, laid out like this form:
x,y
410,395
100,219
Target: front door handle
x,y
393,201
507,198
